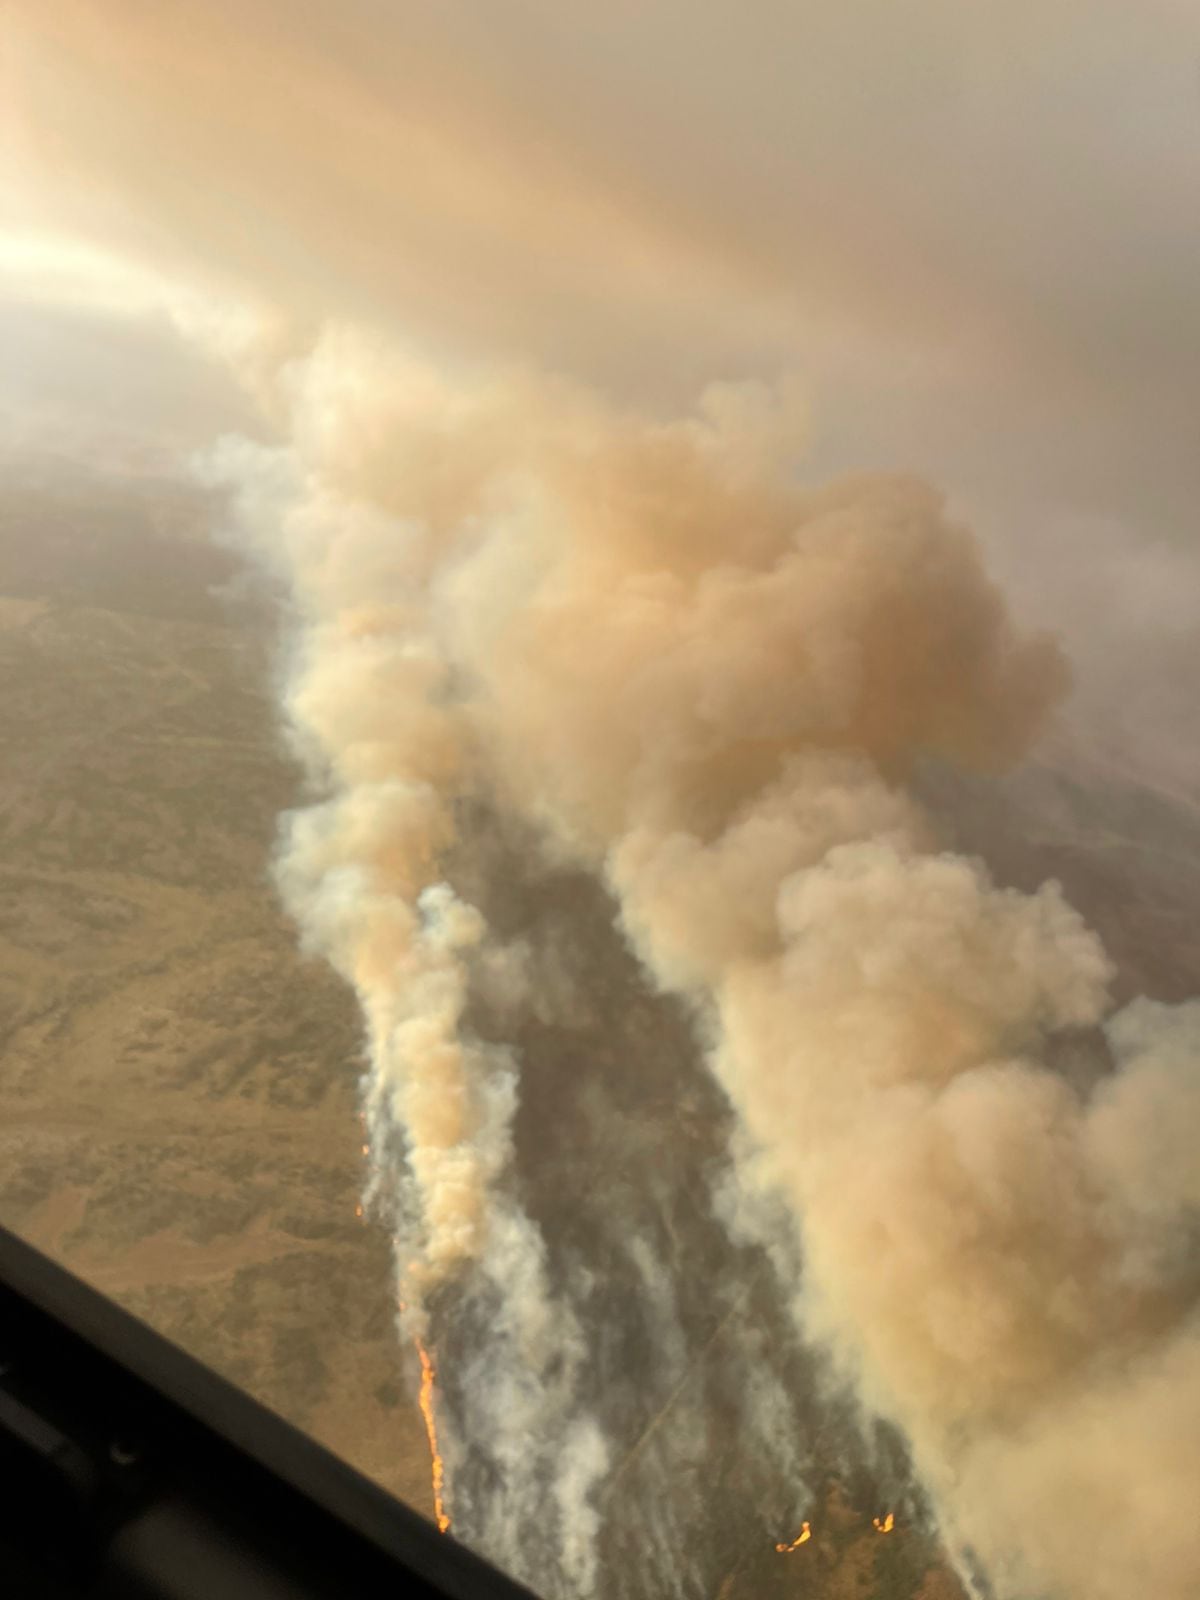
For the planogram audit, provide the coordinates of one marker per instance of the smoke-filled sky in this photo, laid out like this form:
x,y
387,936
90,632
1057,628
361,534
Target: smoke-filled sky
x,y
455,276
972,232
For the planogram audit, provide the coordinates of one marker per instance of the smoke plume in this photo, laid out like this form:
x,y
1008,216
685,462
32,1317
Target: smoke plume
x,y
710,684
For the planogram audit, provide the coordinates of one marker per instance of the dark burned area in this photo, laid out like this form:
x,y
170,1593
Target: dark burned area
x,y
621,1142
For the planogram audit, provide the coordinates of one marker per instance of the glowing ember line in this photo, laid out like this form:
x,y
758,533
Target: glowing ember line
x,y
428,1375
802,1537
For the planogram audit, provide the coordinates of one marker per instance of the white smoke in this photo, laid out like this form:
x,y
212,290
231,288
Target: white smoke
x,y
371,710
710,683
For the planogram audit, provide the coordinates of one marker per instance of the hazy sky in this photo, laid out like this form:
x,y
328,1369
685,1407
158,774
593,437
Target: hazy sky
x,y
963,239
973,232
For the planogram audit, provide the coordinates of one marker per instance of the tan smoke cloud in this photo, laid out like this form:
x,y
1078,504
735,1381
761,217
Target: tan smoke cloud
x,y
373,710
937,211
709,682
702,678
365,703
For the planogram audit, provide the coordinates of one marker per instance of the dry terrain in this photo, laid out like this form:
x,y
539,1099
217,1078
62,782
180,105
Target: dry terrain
x,y
178,1084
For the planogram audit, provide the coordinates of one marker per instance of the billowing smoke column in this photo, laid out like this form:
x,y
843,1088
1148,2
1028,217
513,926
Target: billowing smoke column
x,y
711,685
372,710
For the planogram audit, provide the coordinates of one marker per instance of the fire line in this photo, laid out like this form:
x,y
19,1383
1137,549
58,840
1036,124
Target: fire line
x,y
428,1377
802,1537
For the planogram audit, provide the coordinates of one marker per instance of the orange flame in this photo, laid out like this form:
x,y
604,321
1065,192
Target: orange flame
x,y
802,1537
887,1523
428,1376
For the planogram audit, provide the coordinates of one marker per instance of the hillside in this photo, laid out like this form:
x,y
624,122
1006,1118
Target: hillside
x,y
178,1085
